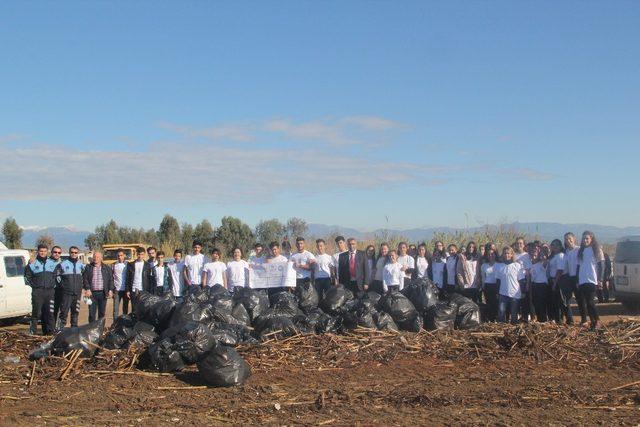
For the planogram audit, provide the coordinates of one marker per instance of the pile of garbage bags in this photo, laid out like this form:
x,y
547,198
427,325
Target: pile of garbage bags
x,y
204,328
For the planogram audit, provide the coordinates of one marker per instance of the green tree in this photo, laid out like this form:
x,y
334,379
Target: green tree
x,y
45,239
12,234
270,230
296,227
186,237
233,233
169,231
205,233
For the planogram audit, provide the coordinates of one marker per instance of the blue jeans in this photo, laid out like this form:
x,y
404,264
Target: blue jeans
x,y
511,304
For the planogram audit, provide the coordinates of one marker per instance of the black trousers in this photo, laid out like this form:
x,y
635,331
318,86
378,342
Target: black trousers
x,y
491,297
393,288
567,290
539,294
376,286
449,289
526,302
353,287
471,293
322,285
117,297
70,302
42,309
586,303
554,302
58,297
98,304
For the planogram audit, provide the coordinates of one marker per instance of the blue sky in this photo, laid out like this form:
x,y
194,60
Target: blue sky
x,y
336,112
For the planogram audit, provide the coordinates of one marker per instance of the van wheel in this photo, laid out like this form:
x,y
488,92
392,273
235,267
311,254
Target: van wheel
x,y
631,306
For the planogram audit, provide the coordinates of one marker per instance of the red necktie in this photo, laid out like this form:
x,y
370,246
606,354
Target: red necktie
x,y
352,265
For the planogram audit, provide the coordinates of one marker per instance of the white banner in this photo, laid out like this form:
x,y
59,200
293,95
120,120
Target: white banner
x,y
272,275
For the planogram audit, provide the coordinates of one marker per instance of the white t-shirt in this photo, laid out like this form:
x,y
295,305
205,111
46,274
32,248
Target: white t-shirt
x,y
215,271
392,275
587,269
195,263
279,258
538,273
137,276
451,269
120,276
471,265
508,275
380,268
303,257
421,265
336,261
159,275
571,262
177,278
237,274
437,271
525,260
488,272
257,260
407,261
323,265
556,263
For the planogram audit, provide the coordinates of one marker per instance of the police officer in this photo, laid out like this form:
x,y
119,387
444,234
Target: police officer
x,y
69,274
56,253
39,274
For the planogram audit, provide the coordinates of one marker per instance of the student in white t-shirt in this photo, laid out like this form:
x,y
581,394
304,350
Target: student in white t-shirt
x,y
569,283
467,271
590,277
438,263
341,244
259,257
176,275
510,292
556,270
193,265
539,284
407,261
522,256
393,274
323,268
303,262
161,275
451,269
237,271
422,262
276,256
213,273
120,283
489,279
380,263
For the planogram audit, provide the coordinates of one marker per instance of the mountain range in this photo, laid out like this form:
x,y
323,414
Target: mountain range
x,y
67,236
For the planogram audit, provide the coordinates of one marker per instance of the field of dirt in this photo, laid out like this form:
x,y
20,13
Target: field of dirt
x,y
495,375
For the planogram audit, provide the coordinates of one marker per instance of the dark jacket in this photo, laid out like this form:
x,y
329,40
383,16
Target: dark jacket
x,y
69,275
148,276
344,273
40,274
107,278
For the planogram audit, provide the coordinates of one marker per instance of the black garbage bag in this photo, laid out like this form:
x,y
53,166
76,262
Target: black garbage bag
x,y
126,331
334,299
154,309
304,325
192,310
232,335
468,314
373,296
216,291
192,341
223,367
422,293
254,301
307,295
196,293
240,314
402,311
277,327
329,324
441,316
85,338
384,321
164,357
222,309
285,304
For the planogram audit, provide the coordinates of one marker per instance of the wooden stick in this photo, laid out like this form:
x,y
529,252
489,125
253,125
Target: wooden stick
x,y
66,370
194,387
625,386
33,374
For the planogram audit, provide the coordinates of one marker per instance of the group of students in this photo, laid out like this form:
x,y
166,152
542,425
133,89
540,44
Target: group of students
x,y
516,283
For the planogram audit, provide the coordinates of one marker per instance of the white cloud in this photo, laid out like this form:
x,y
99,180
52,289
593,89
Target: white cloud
x,y
225,132
527,174
10,137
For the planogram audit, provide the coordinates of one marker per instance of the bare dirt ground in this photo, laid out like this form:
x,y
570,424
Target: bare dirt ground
x,y
497,375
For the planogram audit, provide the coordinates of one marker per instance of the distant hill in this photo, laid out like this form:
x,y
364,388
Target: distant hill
x,y
67,236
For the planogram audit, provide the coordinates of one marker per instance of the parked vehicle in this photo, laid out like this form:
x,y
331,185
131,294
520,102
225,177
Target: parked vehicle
x,y
110,252
15,296
626,272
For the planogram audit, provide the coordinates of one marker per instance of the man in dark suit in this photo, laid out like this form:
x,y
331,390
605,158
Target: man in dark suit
x,y
351,268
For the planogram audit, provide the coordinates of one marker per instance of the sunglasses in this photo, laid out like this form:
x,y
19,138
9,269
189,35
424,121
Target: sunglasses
x,y
74,253
57,252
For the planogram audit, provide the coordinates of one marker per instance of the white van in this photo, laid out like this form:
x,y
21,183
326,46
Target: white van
x,y
15,296
626,272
